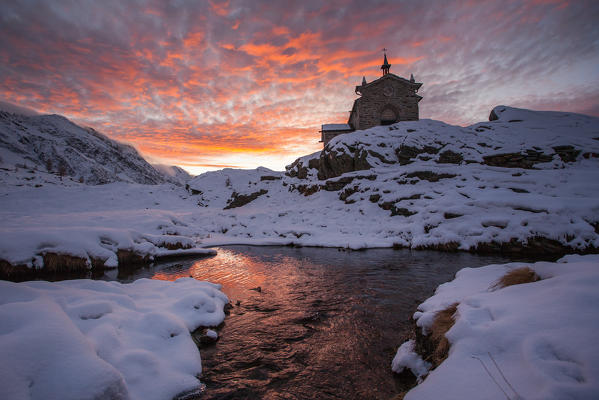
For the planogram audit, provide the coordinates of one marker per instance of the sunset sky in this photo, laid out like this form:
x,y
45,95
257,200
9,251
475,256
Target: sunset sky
x,y
209,84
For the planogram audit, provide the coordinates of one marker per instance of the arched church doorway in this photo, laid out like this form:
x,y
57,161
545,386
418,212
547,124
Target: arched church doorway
x,y
388,116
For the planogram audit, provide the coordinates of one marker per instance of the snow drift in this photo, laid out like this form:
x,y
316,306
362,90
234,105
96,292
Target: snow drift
x,y
84,339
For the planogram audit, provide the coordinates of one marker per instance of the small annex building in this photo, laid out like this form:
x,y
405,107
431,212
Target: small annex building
x,y
384,101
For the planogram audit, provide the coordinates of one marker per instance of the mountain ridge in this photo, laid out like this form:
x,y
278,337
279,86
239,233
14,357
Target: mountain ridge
x,y
56,145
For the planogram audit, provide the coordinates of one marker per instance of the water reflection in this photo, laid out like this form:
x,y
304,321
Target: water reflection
x,y
325,324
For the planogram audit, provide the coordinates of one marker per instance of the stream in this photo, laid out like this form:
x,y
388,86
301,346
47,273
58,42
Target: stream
x,y
313,323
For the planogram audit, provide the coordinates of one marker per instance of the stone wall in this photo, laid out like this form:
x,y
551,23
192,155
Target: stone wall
x,y
328,135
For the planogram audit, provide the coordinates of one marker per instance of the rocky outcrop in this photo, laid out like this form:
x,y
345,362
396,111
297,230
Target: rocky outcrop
x,y
429,176
332,164
450,157
298,169
517,160
239,200
407,154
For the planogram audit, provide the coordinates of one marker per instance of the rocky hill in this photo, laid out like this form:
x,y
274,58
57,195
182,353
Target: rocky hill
x,y
55,145
522,181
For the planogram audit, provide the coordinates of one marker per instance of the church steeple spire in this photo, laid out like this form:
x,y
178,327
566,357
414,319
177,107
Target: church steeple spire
x,y
385,67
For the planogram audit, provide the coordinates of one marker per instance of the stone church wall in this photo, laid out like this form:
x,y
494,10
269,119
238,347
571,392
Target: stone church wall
x,y
387,94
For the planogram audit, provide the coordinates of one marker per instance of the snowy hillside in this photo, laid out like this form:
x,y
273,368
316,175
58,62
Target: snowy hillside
x,y
525,182
53,144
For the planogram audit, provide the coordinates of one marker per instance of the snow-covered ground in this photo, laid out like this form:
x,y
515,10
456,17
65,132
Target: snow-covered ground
x,y
84,339
528,341
526,178
94,222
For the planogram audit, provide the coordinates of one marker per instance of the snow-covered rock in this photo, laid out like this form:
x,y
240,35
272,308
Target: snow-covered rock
x,y
515,138
219,188
406,357
84,339
527,341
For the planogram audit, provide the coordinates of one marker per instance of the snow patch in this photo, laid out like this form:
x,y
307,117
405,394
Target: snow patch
x,y
406,357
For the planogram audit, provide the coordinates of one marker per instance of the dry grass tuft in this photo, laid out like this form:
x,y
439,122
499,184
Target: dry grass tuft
x,y
131,258
9,271
56,262
175,246
516,277
443,322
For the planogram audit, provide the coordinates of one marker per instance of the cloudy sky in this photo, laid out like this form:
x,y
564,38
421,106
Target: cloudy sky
x,y
208,84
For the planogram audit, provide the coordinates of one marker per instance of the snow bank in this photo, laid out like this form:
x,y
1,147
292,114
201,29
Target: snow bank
x,y
535,340
95,222
84,339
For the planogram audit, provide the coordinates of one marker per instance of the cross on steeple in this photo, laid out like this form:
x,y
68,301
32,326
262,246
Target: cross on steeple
x,y
385,67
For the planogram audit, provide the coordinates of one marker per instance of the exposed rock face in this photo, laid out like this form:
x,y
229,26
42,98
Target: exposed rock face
x,y
567,153
332,164
450,157
517,160
270,178
429,176
407,154
301,167
239,200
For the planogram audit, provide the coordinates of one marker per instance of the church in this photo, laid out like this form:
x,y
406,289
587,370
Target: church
x,y
384,101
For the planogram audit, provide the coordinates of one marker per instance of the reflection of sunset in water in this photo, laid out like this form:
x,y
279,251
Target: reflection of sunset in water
x,y
237,272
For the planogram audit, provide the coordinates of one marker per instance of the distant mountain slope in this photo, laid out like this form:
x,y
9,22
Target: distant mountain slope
x,y
54,144
176,174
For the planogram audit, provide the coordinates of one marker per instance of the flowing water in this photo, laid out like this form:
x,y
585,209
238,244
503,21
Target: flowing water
x,y
313,323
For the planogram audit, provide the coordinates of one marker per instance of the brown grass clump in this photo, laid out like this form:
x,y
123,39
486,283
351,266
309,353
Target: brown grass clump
x,y
516,277
56,262
175,246
131,258
443,322
9,271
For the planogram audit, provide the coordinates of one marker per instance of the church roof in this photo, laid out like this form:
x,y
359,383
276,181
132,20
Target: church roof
x,y
390,76
336,127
